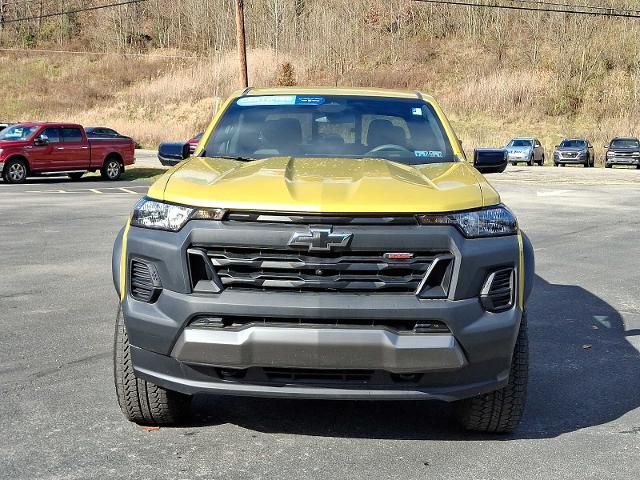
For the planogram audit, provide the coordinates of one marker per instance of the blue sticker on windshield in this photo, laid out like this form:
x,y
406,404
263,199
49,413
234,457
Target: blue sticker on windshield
x,y
428,153
277,100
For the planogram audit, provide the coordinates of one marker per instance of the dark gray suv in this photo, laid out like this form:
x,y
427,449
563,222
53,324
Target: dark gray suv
x,y
574,151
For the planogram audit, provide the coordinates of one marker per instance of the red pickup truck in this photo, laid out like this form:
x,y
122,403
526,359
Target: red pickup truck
x,y
33,148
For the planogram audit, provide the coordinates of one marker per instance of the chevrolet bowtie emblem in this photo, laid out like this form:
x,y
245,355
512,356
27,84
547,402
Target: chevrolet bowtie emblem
x,y
320,239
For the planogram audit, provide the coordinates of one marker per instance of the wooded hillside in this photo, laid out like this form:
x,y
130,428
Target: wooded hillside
x,y
498,73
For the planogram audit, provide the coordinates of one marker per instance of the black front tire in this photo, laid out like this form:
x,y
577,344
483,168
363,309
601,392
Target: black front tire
x,y
607,165
15,171
501,411
143,402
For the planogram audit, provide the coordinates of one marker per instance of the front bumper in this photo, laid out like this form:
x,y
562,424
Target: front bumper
x,y
474,357
517,157
570,161
623,161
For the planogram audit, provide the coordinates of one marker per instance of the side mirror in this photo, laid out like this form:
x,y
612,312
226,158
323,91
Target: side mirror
x,y
171,154
41,141
490,160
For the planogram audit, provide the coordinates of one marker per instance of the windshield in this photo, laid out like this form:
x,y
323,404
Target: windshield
x,y
17,132
573,144
403,130
520,143
619,143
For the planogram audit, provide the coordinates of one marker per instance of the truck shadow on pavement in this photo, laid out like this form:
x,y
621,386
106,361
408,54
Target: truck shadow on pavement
x,y
584,372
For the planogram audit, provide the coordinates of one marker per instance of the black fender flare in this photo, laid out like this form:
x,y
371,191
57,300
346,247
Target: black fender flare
x,y
116,258
529,267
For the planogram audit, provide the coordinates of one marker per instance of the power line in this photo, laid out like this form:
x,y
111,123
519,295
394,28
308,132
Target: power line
x,y
572,5
77,10
530,9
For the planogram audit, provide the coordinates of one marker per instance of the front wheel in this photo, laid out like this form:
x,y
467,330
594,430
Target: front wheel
x,y
501,411
112,169
142,402
15,171
530,162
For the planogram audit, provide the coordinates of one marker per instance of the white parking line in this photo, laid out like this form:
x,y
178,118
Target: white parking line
x,y
97,191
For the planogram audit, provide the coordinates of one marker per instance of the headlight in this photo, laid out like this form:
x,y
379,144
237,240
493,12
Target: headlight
x,y
488,222
634,154
609,154
150,213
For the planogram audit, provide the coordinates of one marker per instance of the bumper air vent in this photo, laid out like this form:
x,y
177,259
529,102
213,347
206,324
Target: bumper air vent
x,y
497,292
310,376
400,327
204,278
144,281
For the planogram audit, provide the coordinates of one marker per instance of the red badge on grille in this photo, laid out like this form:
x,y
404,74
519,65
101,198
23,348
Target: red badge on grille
x,y
398,256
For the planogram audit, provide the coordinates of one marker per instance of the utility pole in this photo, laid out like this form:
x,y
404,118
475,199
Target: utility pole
x,y
3,11
242,46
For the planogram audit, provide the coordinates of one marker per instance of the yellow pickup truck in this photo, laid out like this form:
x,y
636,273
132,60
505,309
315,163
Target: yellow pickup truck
x,y
324,243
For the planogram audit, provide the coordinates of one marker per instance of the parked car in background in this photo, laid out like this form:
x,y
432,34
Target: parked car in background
x,y
4,125
193,143
525,150
105,132
622,151
32,148
574,151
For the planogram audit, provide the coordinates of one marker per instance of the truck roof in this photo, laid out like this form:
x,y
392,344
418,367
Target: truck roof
x,y
350,91
48,124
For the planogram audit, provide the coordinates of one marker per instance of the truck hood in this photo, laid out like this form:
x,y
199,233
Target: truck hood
x,y
325,185
623,149
571,149
12,143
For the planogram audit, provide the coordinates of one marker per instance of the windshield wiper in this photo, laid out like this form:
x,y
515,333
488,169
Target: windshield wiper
x,y
238,158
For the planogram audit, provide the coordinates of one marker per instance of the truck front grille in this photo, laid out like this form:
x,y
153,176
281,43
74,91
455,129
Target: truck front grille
x,y
355,271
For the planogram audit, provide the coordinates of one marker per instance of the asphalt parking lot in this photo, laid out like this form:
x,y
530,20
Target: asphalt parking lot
x,y
59,418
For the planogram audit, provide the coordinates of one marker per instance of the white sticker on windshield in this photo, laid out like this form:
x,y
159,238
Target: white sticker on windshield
x,y
428,153
267,100
417,111
277,100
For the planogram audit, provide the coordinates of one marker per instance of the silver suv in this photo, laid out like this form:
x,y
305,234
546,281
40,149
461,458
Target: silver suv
x,y
525,150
